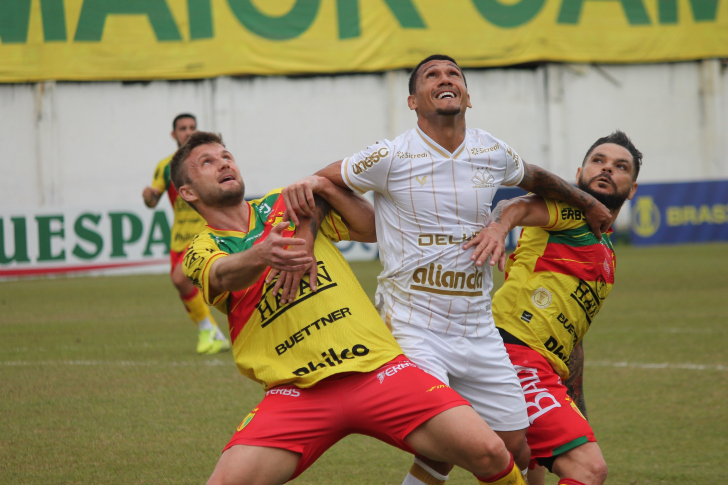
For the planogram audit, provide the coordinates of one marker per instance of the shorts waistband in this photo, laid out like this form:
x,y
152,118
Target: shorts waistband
x,y
510,339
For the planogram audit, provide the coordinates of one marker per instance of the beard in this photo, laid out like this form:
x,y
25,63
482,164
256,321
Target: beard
x,y
612,201
449,111
230,197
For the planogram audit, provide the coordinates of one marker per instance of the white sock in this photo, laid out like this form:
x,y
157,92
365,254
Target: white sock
x,y
219,335
425,475
205,324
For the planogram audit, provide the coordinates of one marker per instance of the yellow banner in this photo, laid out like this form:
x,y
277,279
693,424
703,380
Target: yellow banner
x,y
183,39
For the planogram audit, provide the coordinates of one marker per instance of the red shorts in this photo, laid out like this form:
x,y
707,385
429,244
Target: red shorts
x,y
176,258
557,425
387,404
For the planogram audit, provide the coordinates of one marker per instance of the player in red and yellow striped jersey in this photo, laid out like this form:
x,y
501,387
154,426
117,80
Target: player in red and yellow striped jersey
x,y
556,282
187,224
328,363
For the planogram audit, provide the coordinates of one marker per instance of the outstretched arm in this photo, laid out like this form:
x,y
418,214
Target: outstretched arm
x,y
575,382
355,210
529,210
550,186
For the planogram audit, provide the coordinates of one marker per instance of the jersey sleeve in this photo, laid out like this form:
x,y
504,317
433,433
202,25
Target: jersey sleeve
x,y
368,169
160,181
198,260
563,216
333,227
514,167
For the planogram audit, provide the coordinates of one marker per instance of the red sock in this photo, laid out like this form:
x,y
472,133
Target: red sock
x,y
569,481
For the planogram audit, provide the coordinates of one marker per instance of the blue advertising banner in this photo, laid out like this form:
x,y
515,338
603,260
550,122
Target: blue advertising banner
x,y
680,213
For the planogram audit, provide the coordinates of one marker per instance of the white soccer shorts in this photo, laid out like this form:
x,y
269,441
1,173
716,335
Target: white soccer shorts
x,y
477,368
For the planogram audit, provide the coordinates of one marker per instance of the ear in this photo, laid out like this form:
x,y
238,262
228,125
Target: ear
x,y
470,105
578,173
188,193
632,191
412,102
172,135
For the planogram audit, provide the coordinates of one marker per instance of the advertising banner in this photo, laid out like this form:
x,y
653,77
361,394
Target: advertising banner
x,y
188,39
115,240
680,213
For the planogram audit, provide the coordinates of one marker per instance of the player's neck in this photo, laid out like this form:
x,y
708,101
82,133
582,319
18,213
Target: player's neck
x,y
615,213
446,131
235,218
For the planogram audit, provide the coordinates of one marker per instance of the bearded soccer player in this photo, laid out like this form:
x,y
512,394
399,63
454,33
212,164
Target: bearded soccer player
x,y
187,224
327,362
433,188
556,282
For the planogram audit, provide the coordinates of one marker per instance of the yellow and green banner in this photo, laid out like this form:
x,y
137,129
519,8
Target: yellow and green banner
x,y
184,39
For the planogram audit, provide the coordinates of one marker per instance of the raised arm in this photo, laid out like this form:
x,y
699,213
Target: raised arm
x,y
529,210
548,185
575,382
355,210
239,271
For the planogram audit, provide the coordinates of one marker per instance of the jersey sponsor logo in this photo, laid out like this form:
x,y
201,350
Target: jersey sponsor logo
x,y
569,213
433,279
331,359
288,391
247,419
270,307
569,327
440,386
480,150
539,401
297,337
368,162
423,181
541,297
482,178
264,209
526,316
392,370
553,346
590,299
514,156
404,155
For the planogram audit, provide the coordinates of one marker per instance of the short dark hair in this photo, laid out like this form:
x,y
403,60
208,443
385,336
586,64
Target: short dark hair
x,y
433,57
181,116
177,168
619,138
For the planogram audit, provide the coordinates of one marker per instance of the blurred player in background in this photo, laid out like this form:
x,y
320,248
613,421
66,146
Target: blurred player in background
x,y
556,282
187,223
433,188
328,363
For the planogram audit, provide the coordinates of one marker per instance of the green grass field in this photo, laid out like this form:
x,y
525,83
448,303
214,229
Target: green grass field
x,y
99,382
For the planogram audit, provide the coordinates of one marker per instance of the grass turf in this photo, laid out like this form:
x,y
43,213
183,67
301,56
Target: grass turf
x,y
99,382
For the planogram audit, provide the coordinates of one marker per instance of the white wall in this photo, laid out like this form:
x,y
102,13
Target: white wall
x,y
76,144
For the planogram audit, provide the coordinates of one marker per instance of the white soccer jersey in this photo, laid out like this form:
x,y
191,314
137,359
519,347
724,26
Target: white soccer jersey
x,y
428,203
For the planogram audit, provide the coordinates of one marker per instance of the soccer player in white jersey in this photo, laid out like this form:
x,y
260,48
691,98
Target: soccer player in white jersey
x,y
433,187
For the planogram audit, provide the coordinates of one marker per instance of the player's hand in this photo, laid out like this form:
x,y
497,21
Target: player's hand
x,y
289,281
598,217
151,196
278,253
299,197
491,241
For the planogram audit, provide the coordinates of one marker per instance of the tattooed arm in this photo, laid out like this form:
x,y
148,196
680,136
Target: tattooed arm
x,y
548,185
529,210
575,382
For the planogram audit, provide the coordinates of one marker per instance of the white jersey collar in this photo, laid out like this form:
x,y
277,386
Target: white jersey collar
x,y
437,148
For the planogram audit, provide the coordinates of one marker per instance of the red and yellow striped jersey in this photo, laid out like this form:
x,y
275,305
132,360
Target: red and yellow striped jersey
x,y
187,222
556,282
334,330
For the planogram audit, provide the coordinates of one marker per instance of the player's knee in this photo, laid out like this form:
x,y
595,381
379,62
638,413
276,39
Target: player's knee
x,y
489,457
180,281
598,469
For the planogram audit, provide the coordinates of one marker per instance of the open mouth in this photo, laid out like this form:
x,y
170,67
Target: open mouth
x,y
445,95
227,178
